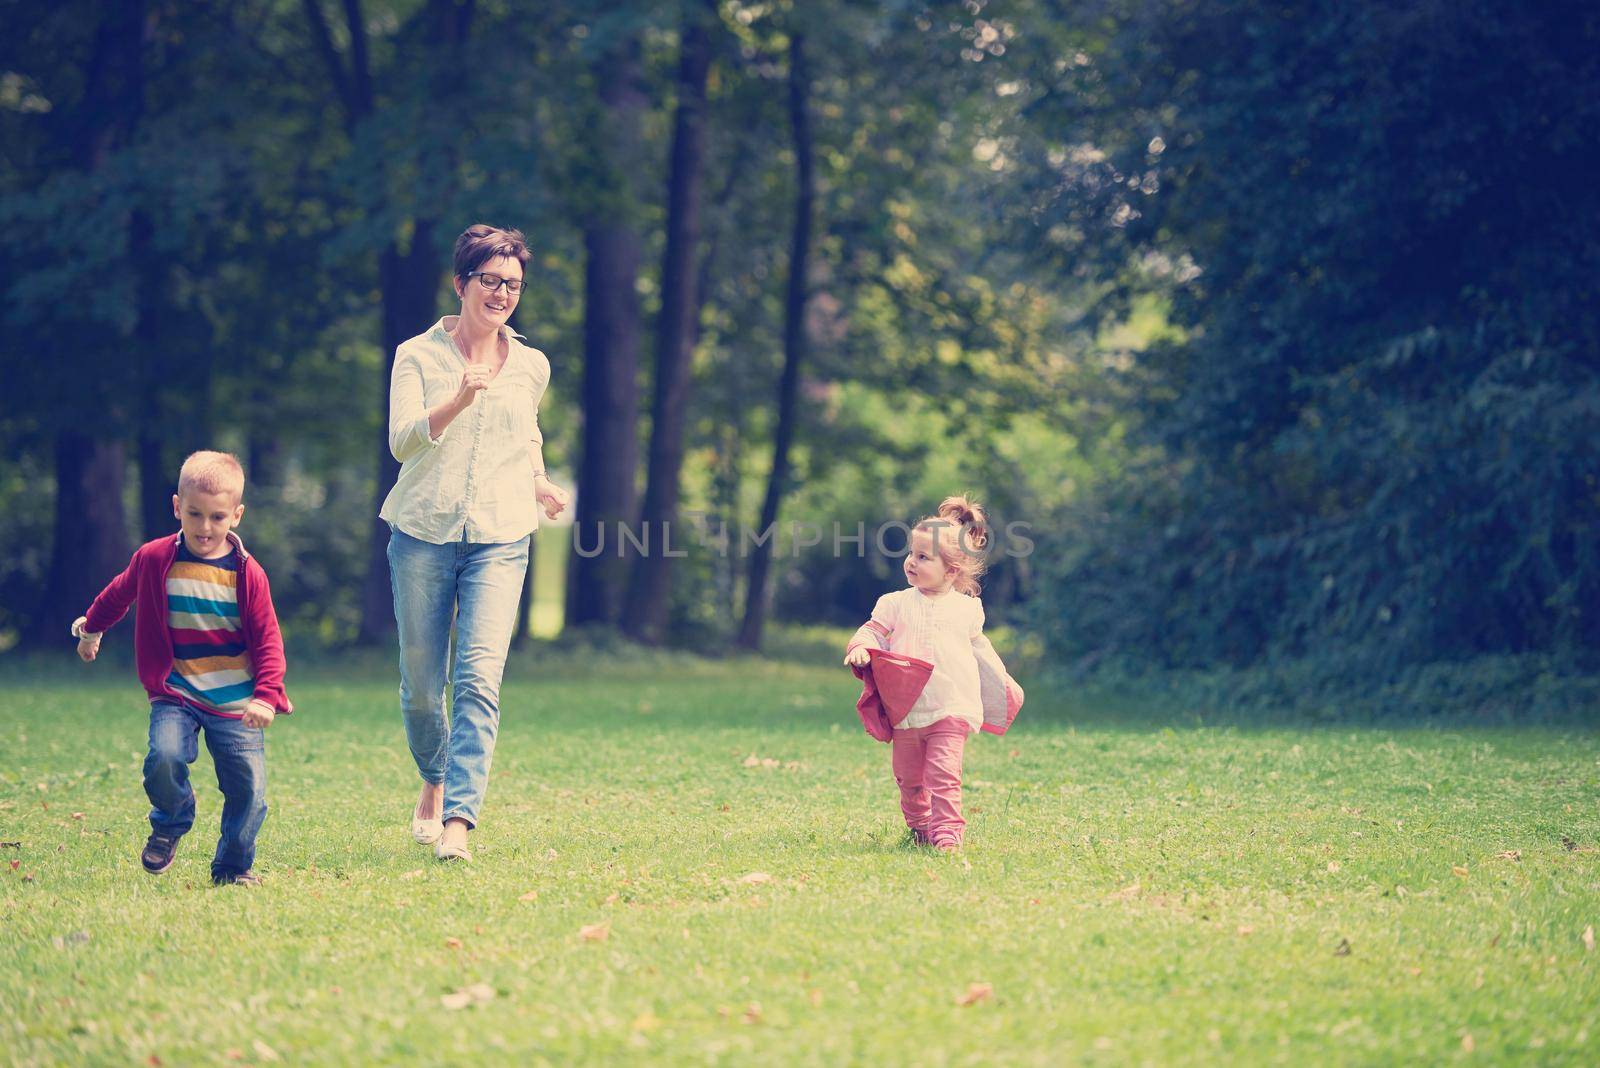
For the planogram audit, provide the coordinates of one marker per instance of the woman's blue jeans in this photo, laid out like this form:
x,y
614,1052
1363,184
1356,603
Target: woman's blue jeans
x,y
478,587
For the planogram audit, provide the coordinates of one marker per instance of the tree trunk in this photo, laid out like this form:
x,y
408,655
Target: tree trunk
x,y
157,484
607,495
158,426
90,544
408,273
519,637
90,541
410,281
649,596
794,342
264,458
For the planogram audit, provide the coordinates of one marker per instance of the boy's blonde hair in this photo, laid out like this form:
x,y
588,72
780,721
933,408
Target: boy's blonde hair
x,y
212,472
960,532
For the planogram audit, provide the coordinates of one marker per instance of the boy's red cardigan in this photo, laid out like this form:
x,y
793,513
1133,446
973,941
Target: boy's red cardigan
x,y
144,584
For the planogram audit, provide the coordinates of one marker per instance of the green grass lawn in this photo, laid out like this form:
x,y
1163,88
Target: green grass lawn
x,y
1131,892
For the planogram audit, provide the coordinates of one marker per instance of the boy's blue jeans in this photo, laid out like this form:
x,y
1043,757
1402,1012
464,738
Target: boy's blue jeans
x,y
240,754
478,586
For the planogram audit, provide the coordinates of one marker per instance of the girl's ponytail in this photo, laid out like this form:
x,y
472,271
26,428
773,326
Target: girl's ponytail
x,y
969,517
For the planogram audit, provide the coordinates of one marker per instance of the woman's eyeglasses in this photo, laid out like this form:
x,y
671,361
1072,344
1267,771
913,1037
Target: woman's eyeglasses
x,y
492,282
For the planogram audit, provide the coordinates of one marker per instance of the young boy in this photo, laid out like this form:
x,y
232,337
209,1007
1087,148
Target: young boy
x,y
209,654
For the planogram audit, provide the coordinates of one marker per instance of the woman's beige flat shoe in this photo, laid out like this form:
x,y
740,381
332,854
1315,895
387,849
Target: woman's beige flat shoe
x,y
426,832
452,852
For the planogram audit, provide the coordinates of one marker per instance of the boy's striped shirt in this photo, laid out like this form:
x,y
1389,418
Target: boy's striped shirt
x,y
210,663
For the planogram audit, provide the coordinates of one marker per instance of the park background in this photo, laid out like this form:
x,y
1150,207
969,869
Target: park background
x,y
1275,322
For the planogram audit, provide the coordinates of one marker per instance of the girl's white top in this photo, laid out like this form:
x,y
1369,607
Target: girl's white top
x,y
475,480
940,630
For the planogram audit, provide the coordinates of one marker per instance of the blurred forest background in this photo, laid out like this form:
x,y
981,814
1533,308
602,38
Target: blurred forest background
x,y
1276,322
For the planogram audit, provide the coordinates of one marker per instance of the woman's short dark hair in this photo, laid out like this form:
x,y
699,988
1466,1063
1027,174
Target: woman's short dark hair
x,y
480,243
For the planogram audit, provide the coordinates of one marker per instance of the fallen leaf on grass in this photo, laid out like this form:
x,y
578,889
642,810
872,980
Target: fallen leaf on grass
x,y
232,1054
1467,1044
77,815
531,895
1333,865
646,1021
1127,893
1246,929
815,997
1509,854
595,932
1343,948
976,992
1588,938
1459,870
15,864
264,1051
752,1013
415,873
755,877
452,943
153,1060
76,938
477,993
753,761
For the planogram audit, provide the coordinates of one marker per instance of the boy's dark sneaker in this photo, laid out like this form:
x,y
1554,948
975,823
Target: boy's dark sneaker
x,y
920,837
158,852
235,878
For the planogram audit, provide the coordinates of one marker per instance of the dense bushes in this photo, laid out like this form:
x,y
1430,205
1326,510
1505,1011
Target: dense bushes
x,y
1377,442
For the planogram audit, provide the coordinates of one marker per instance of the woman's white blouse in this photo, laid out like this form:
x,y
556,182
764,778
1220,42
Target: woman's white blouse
x,y
473,482
940,630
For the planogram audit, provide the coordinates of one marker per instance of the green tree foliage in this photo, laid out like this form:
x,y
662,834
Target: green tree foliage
x,y
1378,225
1275,320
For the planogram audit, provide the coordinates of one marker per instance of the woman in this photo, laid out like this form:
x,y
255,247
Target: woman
x,y
464,424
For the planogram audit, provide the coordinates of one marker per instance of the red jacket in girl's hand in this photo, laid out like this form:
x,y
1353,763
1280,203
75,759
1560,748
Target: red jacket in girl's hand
x,y
890,685
892,682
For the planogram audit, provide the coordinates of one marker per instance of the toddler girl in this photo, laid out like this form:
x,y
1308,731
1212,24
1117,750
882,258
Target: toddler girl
x,y
933,631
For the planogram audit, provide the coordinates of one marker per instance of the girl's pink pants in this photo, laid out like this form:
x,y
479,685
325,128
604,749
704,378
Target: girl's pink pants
x,y
927,765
